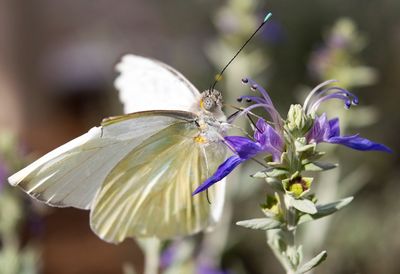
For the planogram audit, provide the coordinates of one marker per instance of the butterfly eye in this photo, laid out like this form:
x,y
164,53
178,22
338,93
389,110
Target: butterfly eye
x,y
208,103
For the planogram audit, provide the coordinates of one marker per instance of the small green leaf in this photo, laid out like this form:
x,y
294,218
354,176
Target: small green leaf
x,y
312,263
259,174
318,166
326,210
301,148
304,205
276,172
312,157
260,223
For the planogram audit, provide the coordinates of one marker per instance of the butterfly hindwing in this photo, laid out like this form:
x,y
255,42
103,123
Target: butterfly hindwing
x,y
149,192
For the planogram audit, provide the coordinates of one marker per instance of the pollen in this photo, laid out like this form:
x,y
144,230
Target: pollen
x,y
202,104
297,189
200,139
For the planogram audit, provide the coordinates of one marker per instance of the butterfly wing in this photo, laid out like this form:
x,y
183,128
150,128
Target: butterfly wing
x,y
72,174
149,192
146,84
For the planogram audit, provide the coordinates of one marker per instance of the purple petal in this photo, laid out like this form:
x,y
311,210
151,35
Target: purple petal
x,y
269,139
334,127
358,143
320,130
243,146
223,170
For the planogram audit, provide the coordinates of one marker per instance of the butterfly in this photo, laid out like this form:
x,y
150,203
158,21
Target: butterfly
x,y
136,172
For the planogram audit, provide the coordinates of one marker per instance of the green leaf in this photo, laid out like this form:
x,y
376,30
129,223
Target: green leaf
x,y
302,148
304,205
259,174
260,223
271,172
312,263
277,172
309,158
326,210
318,166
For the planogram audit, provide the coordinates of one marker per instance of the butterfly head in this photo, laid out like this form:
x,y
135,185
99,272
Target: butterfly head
x,y
211,101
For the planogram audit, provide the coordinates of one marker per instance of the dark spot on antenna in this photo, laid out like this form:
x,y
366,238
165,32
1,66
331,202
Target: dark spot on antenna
x,y
245,80
240,99
254,87
248,100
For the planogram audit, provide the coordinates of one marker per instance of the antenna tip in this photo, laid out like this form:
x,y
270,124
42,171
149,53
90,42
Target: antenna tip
x,y
267,17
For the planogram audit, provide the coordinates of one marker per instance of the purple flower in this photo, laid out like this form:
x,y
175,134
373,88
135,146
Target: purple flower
x,y
328,131
267,140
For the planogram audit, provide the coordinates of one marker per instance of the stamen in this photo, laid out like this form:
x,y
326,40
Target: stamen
x,y
240,99
269,109
264,101
263,92
339,96
338,90
253,98
339,93
315,90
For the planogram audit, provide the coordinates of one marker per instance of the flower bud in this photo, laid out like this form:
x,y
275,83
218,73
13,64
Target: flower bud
x,y
298,123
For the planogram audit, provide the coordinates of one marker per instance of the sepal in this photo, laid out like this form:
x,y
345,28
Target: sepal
x,y
312,263
260,223
303,205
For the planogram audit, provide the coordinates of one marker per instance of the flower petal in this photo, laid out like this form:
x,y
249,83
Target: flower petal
x,y
320,130
243,146
223,170
358,143
269,139
334,127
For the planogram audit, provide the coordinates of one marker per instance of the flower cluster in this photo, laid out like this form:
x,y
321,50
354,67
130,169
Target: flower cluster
x,y
300,132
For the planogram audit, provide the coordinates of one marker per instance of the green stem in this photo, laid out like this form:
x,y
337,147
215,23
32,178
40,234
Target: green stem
x,y
282,241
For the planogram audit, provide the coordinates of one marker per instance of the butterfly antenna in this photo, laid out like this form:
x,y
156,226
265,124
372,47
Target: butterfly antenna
x,y
219,75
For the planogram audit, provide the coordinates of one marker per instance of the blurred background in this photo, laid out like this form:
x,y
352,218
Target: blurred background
x,y
57,63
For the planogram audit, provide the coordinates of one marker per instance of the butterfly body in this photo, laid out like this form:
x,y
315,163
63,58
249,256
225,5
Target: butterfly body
x,y
136,172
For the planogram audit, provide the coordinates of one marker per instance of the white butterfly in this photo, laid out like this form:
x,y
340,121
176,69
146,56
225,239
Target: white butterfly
x,y
136,172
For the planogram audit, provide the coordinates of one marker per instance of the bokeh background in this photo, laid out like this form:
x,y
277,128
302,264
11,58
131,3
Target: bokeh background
x,y
57,63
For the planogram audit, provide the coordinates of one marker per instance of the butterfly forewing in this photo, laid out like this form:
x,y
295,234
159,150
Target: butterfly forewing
x,y
149,192
72,174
